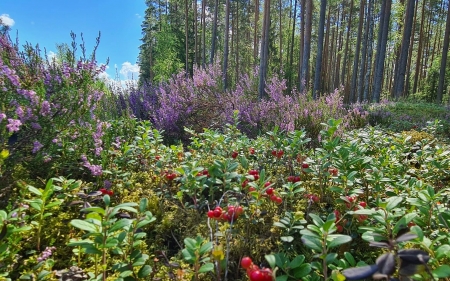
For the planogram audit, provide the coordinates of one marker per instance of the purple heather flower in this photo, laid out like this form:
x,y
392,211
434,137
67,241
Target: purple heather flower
x,y
36,126
13,125
2,116
107,184
37,146
46,254
45,108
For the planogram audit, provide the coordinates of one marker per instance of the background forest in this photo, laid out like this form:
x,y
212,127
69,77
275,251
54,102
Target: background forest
x,y
374,49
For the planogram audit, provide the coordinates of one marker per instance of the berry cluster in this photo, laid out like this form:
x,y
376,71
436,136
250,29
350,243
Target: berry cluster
x,y
169,176
106,191
255,273
234,154
232,213
255,175
293,179
312,197
333,171
339,223
203,173
277,153
271,193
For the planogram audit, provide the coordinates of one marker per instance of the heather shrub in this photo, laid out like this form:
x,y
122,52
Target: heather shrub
x,y
200,102
52,112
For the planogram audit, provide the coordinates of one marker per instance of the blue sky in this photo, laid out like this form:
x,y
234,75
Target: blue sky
x,y
48,22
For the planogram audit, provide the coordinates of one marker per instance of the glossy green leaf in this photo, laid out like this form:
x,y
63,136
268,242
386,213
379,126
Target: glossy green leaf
x,y
83,225
442,271
206,267
144,271
302,271
335,240
271,260
312,242
393,202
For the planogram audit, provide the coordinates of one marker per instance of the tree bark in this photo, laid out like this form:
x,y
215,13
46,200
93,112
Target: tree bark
x,y
440,91
381,52
303,83
353,90
264,50
318,71
226,48
400,84
214,33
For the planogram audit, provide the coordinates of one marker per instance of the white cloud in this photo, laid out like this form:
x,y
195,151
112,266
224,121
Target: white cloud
x,y
104,76
138,16
129,70
6,20
51,55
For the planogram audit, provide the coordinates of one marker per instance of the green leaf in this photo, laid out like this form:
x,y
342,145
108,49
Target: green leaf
x,y
316,219
282,278
126,273
190,243
312,242
207,247
34,190
145,222
144,271
271,260
209,266
349,257
98,210
287,239
297,261
442,271
443,251
143,205
187,255
119,225
83,225
279,224
335,240
302,271
392,202
107,200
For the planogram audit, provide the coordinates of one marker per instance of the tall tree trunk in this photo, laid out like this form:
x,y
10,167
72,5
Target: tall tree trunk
x,y
264,50
255,32
237,41
291,51
440,91
353,90
281,34
339,50
400,84
381,52
318,72
347,40
306,47
362,68
196,55
204,34
226,48
419,49
214,33
302,37
369,52
411,47
186,30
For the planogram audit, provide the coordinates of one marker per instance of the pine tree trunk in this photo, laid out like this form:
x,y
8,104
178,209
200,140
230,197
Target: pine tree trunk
x,y
264,50
400,84
362,68
381,52
353,90
306,47
318,72
369,52
345,61
226,48
214,33
255,32
444,59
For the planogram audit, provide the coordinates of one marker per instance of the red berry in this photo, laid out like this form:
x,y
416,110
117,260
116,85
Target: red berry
x,y
363,204
362,218
244,183
290,179
217,213
274,153
246,262
157,157
253,172
256,177
251,189
269,191
296,179
256,275
305,166
337,215
211,214
280,153
278,200
234,154
239,210
252,150
340,228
